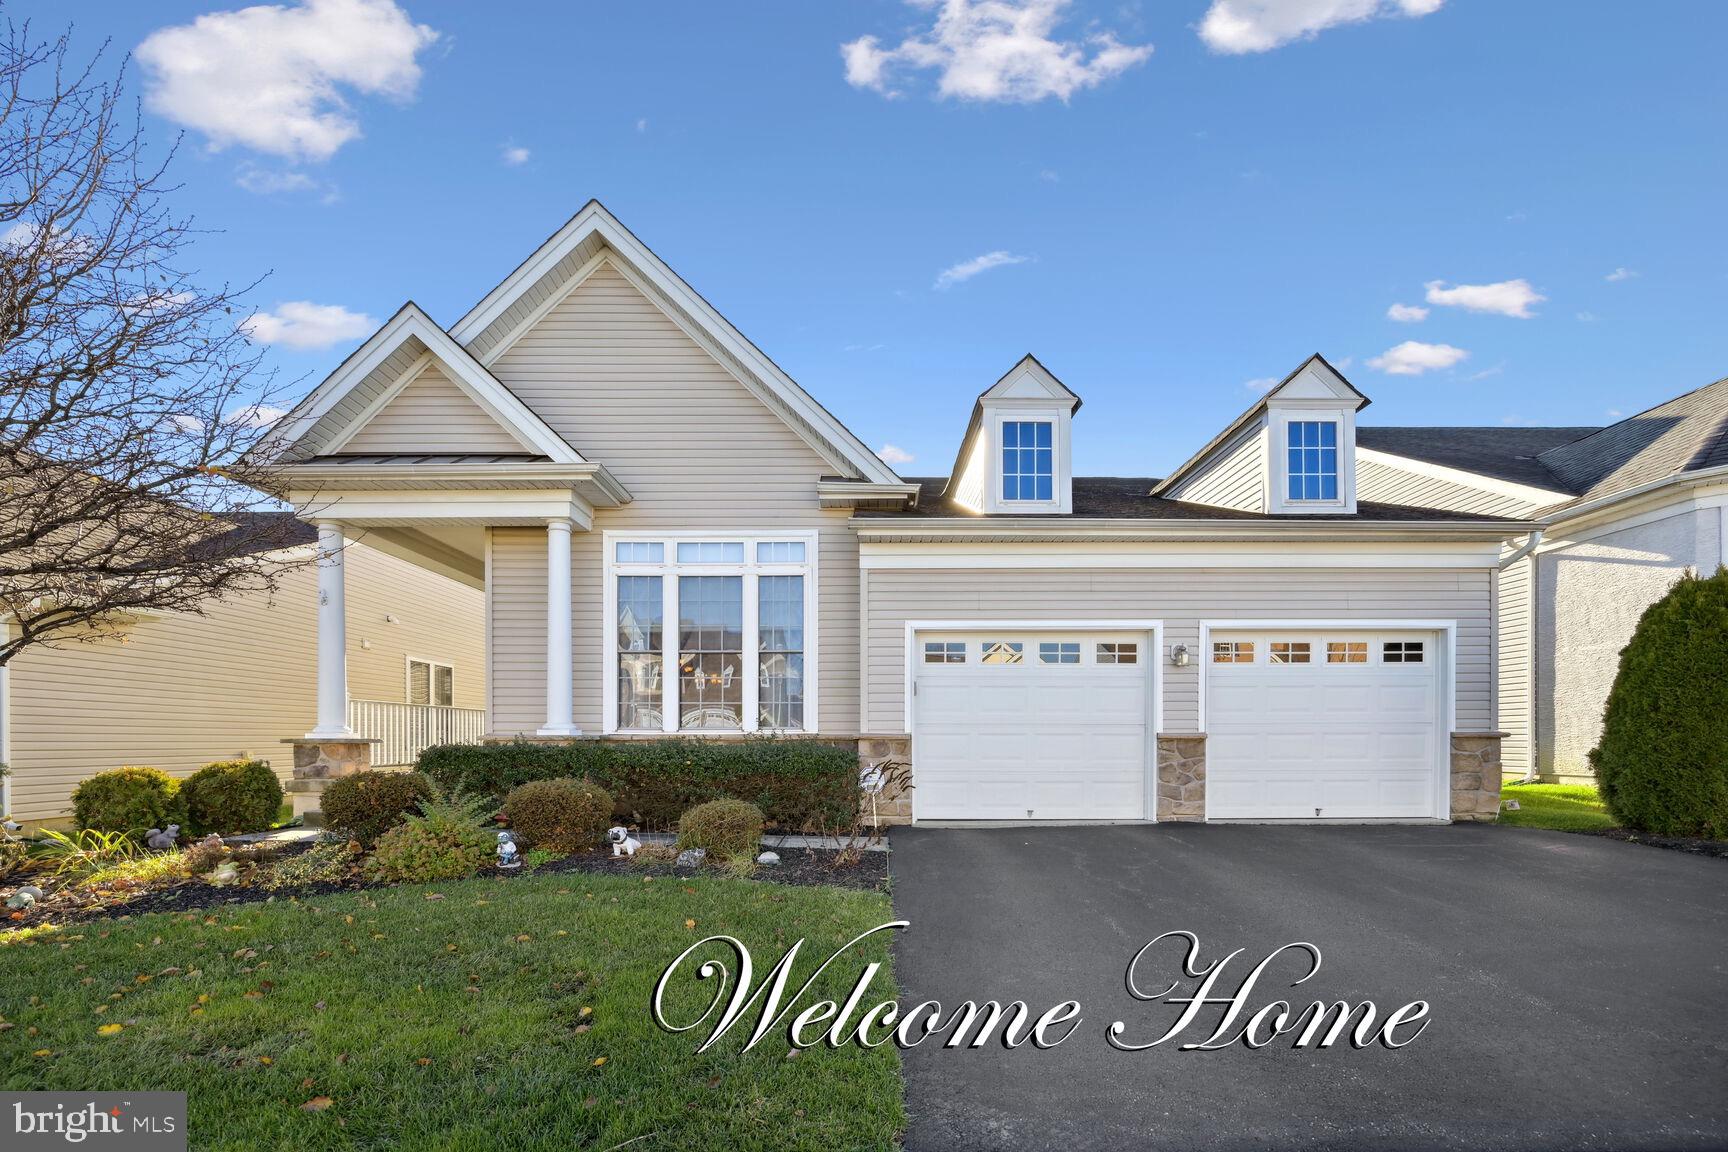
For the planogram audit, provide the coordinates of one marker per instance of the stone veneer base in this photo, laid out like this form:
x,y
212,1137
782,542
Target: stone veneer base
x,y
316,763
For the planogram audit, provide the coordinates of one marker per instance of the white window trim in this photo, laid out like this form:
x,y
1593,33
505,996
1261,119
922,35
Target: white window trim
x,y
1009,410
669,569
408,662
1278,460
1444,662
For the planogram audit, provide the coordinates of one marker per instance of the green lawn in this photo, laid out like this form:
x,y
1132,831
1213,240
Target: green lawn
x,y
1562,807
505,1014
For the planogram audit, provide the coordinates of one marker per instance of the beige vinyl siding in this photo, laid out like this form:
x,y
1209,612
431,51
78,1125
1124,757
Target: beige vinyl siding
x,y
432,415
1235,477
1516,612
1384,483
613,375
969,489
348,409
178,691
1181,598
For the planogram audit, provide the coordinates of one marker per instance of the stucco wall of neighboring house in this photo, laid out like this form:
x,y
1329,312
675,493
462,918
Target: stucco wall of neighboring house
x,y
619,380
178,691
1590,596
1181,598
1235,477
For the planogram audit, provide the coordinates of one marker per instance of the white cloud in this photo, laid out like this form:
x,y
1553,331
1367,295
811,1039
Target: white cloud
x,y
303,324
1620,274
274,78
1412,358
1238,26
1507,298
1614,414
642,124
863,347
1260,384
256,415
994,50
1516,421
1588,317
1050,176
966,269
257,178
515,156
894,456
1407,313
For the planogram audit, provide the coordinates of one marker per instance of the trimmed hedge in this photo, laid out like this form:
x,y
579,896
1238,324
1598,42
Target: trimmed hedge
x,y
561,816
725,829
232,796
131,800
365,805
1662,762
797,783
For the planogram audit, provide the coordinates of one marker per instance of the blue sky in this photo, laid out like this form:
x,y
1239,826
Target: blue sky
x,y
1162,229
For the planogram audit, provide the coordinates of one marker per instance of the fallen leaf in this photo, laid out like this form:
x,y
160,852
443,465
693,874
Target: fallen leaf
x,y
318,1007
266,1061
581,1028
434,895
317,1104
307,1083
599,1060
109,1029
586,1011
560,932
42,1052
524,938
203,997
689,923
342,1059
423,1061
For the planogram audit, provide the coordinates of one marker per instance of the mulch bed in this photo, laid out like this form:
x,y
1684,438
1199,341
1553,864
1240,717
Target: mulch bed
x,y
1692,844
805,867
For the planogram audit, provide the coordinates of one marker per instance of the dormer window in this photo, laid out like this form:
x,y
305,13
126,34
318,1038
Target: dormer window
x,y
1312,456
1028,460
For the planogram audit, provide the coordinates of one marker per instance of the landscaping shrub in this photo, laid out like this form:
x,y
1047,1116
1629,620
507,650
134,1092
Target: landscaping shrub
x,y
443,841
368,804
561,816
232,796
324,863
1662,763
129,800
797,783
725,829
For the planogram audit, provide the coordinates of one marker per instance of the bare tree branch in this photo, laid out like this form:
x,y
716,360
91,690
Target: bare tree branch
x,y
129,394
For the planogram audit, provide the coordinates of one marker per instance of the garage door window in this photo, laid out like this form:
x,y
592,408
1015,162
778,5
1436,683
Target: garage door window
x,y
1059,652
1118,653
1290,652
1347,652
1002,651
1402,652
945,652
1233,652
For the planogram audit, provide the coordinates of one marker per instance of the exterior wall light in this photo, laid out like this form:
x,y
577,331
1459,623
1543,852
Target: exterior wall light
x,y
1179,655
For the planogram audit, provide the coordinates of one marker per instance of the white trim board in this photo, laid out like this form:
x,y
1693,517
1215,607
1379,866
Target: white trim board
x,y
1155,679
1209,554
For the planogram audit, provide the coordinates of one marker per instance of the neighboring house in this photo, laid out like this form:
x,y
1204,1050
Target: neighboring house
x,y
1623,511
673,537
176,690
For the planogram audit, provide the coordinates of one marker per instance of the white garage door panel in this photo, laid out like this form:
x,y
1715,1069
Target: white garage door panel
x,y
1031,740
1318,740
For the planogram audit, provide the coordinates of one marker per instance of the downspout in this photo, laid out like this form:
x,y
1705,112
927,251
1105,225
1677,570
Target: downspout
x,y
1530,545
5,727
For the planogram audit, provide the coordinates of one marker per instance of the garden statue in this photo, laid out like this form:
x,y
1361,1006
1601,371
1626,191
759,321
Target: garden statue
x,y
768,858
161,840
12,828
623,844
507,856
226,872
26,895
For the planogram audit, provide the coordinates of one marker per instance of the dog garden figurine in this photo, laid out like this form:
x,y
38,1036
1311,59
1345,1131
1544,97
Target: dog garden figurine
x,y
623,844
507,855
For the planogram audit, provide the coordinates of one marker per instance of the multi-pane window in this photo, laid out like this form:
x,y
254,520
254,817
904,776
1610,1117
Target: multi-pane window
x,y
945,652
1001,652
710,651
641,643
1117,652
780,651
713,635
1290,652
1028,460
1233,652
1346,651
1401,652
1313,459
1059,652
431,683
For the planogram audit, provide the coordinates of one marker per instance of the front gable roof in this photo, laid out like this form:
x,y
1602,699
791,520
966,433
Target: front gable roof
x,y
1313,379
378,372
594,236
1027,380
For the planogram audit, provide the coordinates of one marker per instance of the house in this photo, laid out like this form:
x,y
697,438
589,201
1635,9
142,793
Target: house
x,y
673,537
1621,512
176,690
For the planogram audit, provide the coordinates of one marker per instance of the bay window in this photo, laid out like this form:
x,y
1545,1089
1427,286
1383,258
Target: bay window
x,y
741,616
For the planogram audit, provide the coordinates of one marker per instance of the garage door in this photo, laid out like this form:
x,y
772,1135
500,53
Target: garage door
x,y
1031,725
1322,725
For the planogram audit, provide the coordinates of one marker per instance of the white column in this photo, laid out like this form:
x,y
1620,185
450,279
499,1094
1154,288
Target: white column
x,y
560,692
332,638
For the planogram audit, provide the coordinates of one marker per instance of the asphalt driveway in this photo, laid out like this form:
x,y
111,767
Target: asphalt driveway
x,y
1579,986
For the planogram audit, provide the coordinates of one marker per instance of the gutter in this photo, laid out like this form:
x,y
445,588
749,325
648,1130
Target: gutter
x,y
886,529
1530,545
1677,479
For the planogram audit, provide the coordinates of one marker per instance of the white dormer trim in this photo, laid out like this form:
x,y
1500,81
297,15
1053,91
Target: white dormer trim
x,y
1028,392
1314,392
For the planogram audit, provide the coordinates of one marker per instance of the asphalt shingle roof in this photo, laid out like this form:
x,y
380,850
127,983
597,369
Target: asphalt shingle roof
x,y
1686,434
1504,453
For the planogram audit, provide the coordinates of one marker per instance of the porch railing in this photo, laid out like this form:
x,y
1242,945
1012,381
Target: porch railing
x,y
409,729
